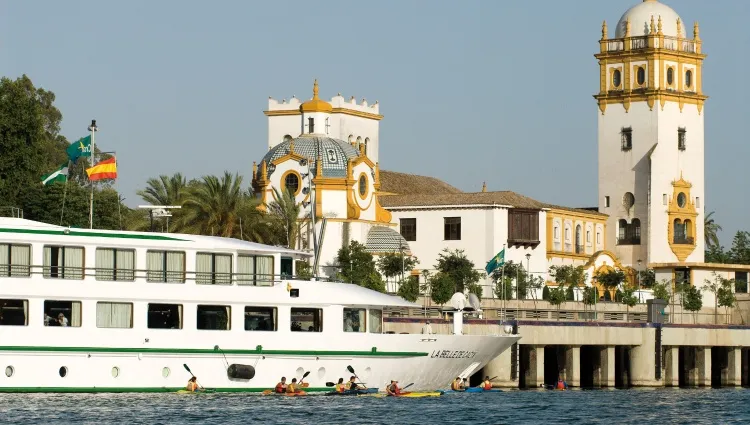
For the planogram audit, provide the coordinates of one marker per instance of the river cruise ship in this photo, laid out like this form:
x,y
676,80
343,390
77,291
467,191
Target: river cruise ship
x,y
115,311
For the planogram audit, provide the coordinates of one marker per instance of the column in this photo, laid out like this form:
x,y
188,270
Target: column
x,y
535,373
501,367
607,358
672,367
703,364
573,366
734,367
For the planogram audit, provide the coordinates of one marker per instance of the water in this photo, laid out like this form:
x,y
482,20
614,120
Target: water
x,y
612,407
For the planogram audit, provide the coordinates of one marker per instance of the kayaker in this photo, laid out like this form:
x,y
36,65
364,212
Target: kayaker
x,y
561,385
393,388
456,384
192,384
281,386
340,386
487,385
465,384
292,388
351,385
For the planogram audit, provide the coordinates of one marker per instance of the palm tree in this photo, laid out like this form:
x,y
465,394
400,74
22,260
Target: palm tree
x,y
286,210
711,230
165,190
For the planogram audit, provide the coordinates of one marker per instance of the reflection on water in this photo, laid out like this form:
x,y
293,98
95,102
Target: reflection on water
x,y
636,406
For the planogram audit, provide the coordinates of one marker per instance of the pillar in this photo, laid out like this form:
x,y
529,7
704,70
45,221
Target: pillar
x,y
672,366
734,367
501,367
573,366
535,373
607,361
703,366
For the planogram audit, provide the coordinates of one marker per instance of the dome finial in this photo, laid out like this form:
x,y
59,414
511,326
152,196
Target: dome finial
x,y
653,25
696,31
315,89
627,28
679,28
659,28
484,186
604,30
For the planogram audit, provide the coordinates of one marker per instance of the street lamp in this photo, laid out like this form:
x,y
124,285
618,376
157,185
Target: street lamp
x,y
528,270
639,280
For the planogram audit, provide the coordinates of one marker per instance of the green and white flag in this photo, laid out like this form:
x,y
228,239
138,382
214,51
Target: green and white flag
x,y
61,175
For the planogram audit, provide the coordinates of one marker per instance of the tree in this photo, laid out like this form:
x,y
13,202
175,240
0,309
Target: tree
x,y
710,230
304,270
573,276
589,296
165,190
660,291
726,296
557,296
393,264
357,266
459,269
442,288
740,251
504,278
646,278
717,254
629,299
285,211
723,290
692,299
610,278
408,288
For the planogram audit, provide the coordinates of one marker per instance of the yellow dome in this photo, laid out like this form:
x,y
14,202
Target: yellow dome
x,y
316,104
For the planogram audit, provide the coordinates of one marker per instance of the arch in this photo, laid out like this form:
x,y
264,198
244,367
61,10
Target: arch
x,y
678,230
622,226
579,239
359,139
636,226
350,139
688,228
287,138
607,296
367,144
689,78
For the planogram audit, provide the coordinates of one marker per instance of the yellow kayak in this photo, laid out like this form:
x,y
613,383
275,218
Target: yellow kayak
x,y
407,394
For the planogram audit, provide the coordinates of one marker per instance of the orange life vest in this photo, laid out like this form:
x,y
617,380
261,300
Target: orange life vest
x,y
192,386
340,388
560,385
280,387
487,385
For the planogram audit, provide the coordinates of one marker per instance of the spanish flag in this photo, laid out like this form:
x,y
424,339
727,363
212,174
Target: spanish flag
x,y
106,169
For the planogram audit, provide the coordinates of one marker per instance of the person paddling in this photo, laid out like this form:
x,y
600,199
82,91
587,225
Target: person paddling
x,y
281,386
561,385
486,384
292,388
351,385
192,384
456,384
340,386
393,389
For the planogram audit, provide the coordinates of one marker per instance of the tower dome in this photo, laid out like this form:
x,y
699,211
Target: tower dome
x,y
316,104
640,17
334,153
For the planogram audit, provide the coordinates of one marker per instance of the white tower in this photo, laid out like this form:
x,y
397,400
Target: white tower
x,y
651,147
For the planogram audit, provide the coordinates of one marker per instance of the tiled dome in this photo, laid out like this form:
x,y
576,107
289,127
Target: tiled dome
x,y
334,153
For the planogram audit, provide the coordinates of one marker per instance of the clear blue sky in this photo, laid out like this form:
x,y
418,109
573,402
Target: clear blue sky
x,y
496,91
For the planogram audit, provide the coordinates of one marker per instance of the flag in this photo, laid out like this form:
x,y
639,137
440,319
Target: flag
x,y
80,148
106,169
496,262
60,175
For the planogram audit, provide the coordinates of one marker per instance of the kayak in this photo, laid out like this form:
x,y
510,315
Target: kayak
x,y
408,394
206,391
355,392
474,390
297,394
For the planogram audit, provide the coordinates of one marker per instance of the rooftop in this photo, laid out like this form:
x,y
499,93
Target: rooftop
x,y
394,183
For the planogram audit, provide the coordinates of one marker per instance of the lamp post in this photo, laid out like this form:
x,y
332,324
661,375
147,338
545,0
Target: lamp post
x,y
528,270
639,280
309,190
401,250
93,129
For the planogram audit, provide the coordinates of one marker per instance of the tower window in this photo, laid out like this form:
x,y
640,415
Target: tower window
x,y
641,75
629,233
362,185
291,183
311,125
689,79
606,202
697,202
616,78
627,138
681,138
670,76
664,200
327,126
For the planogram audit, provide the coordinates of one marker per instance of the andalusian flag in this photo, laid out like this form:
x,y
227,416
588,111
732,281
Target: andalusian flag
x,y
61,175
106,169
496,262
80,148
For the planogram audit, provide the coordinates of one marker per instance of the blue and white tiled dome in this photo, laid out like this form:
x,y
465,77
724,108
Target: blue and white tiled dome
x,y
334,153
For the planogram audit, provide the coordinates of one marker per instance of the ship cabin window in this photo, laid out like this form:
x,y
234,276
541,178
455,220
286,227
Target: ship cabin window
x,y
63,262
307,320
254,270
62,313
164,316
354,320
260,319
376,321
114,315
115,264
15,260
213,269
214,317
14,312
165,266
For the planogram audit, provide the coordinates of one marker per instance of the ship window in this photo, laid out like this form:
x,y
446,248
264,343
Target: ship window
x,y
213,269
376,321
214,317
14,312
63,262
260,318
114,315
307,320
115,264
164,316
15,260
254,270
62,313
165,266
354,320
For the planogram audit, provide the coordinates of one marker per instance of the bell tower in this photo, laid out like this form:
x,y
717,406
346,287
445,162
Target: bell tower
x,y
651,136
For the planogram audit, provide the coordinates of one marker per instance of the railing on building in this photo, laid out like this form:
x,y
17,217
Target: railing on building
x,y
684,240
629,240
637,43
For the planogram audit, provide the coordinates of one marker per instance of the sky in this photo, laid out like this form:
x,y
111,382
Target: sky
x,y
496,91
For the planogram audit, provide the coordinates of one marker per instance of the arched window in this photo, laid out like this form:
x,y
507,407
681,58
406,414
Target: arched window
x,y
636,229
557,232
350,139
311,125
287,138
362,185
579,241
291,183
679,231
689,79
367,144
622,227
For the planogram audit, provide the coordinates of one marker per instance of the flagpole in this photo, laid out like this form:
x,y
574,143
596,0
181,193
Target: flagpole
x,y
93,129
65,192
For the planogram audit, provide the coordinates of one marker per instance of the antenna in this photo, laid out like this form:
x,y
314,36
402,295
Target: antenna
x,y
458,301
159,211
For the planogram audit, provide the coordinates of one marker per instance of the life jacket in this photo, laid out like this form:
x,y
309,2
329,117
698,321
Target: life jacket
x,y
192,386
280,387
487,385
560,385
393,388
291,389
455,386
340,388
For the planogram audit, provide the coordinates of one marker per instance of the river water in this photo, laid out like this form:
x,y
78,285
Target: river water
x,y
612,407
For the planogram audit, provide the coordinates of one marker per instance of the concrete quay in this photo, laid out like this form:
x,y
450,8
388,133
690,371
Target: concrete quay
x,y
595,354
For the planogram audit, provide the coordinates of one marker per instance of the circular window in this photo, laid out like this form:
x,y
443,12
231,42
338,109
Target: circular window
x,y
628,200
681,200
115,372
362,185
287,138
689,79
641,75
616,78
670,76
63,372
9,371
165,372
291,183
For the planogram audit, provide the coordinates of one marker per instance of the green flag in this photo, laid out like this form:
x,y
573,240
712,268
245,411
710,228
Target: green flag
x,y
80,148
496,262
61,175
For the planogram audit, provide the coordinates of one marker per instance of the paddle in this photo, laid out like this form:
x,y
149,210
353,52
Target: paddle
x,y
351,370
491,379
191,374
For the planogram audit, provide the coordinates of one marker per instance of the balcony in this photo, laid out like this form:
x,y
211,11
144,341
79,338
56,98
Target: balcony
x,y
638,43
629,240
684,240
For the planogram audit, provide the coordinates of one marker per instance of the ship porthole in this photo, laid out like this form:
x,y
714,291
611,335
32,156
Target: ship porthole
x,y
63,372
115,372
165,372
9,371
